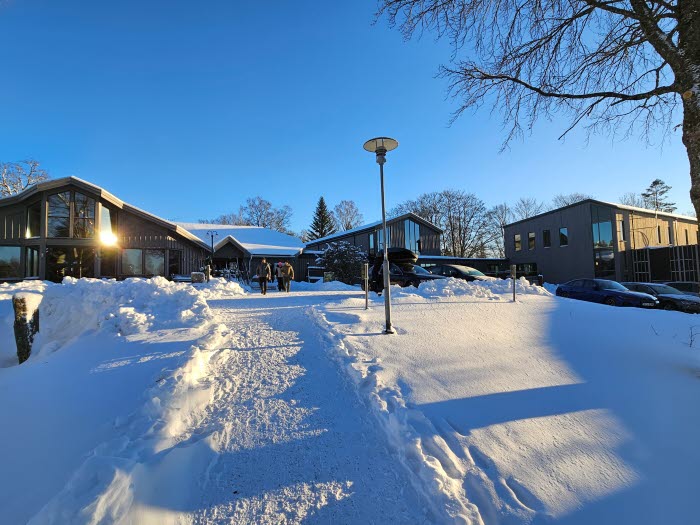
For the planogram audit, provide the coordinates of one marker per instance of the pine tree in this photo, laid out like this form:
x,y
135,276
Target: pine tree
x,y
654,197
323,223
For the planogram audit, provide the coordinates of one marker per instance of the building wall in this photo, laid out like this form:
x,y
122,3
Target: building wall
x,y
557,263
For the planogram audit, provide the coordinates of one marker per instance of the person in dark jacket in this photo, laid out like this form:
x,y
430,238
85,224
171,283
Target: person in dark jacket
x,y
264,274
287,275
280,277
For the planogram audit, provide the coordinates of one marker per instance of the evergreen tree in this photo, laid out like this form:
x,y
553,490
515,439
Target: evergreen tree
x,y
344,260
323,223
655,197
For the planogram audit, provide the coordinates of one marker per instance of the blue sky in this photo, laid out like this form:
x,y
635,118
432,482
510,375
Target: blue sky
x,y
187,108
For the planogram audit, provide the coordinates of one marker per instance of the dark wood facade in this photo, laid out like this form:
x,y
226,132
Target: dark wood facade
x,y
69,227
405,231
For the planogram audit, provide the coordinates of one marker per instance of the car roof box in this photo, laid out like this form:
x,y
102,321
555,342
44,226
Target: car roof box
x,y
399,256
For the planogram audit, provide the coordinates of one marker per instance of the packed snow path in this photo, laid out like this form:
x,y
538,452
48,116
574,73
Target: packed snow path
x,y
292,441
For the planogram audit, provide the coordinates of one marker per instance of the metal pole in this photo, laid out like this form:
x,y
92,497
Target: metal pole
x,y
381,159
512,276
365,277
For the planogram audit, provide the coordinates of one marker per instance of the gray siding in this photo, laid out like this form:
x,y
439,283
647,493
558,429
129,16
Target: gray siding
x,y
557,264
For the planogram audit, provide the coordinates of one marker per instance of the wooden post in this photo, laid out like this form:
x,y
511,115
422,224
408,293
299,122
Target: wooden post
x,y
26,306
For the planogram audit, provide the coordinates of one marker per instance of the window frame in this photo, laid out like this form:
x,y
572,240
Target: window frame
x,y
564,233
531,240
546,239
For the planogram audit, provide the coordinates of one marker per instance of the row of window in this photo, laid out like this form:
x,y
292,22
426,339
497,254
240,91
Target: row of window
x,y
546,239
63,261
70,214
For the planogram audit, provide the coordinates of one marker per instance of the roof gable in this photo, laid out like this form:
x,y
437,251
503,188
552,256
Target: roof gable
x,y
252,239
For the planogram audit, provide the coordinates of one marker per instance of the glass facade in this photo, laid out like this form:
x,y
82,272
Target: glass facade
x,y
603,252
59,214
10,262
33,221
132,263
380,235
31,261
84,217
174,261
69,261
154,262
412,235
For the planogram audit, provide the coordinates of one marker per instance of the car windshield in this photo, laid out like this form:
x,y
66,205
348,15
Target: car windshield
x,y
604,284
420,270
664,289
470,271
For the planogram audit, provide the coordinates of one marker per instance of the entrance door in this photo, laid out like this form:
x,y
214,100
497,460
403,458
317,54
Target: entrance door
x,y
67,261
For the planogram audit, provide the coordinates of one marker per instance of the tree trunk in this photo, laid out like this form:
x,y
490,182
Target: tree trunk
x,y
689,44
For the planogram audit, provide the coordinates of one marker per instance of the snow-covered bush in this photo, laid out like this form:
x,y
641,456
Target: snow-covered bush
x,y
342,259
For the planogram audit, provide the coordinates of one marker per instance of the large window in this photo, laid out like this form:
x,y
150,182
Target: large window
x,y
132,263
380,234
67,261
31,261
371,242
9,262
108,226
412,230
84,217
546,238
531,241
59,214
518,242
108,262
563,236
33,220
154,262
603,253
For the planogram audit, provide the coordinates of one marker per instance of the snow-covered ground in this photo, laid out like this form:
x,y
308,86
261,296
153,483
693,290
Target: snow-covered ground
x,y
153,402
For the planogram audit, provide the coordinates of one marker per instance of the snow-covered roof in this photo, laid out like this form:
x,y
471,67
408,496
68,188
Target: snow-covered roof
x,y
253,239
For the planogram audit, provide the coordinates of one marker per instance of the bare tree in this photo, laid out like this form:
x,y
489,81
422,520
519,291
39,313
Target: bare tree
x,y
257,212
561,200
260,212
619,65
632,199
463,217
527,207
347,215
18,176
499,216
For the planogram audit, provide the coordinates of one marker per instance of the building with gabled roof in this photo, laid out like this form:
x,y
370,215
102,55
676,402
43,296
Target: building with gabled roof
x,y
69,227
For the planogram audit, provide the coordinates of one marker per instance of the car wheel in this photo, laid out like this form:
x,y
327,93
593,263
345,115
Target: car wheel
x,y
669,307
610,301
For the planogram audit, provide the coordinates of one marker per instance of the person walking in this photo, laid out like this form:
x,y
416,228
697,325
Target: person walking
x,y
264,275
280,277
287,275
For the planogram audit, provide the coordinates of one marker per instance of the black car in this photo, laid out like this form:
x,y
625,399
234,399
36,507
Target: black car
x,y
669,298
607,292
687,287
458,271
405,274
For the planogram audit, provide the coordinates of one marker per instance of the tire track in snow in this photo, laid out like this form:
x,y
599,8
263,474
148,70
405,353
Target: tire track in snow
x,y
292,442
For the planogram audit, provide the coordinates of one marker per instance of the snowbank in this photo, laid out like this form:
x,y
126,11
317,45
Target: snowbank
x,y
127,384
115,308
319,286
492,289
219,288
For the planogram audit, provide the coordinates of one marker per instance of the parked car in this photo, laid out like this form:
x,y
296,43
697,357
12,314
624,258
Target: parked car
x,y
607,292
669,297
458,271
403,270
688,287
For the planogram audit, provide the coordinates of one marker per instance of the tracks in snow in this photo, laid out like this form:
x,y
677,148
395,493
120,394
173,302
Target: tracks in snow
x,y
291,441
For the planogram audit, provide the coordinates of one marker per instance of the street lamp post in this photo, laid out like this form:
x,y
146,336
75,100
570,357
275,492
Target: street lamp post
x,y
380,146
211,234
